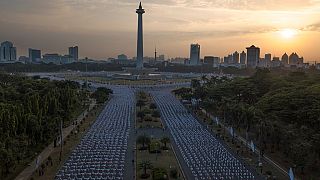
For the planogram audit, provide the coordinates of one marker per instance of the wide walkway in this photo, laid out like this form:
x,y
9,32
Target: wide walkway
x,y
204,155
103,151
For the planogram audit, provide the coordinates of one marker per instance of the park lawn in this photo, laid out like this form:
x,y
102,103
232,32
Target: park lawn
x,y
166,160
155,123
71,142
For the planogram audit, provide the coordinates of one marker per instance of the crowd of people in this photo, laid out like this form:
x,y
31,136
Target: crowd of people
x,y
204,155
102,151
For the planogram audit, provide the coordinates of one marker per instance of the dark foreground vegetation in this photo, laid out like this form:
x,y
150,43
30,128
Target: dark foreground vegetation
x,y
280,112
31,110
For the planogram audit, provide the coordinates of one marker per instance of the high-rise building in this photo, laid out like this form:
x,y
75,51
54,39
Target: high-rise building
x,y
285,59
74,53
267,58
243,58
293,59
228,59
236,57
13,54
34,55
195,55
8,51
253,56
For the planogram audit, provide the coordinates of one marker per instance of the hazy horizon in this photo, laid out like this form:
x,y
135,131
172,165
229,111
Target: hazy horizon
x,y
106,28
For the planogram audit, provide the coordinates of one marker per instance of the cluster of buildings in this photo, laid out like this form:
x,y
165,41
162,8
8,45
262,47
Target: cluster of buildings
x,y
249,59
8,54
252,58
123,59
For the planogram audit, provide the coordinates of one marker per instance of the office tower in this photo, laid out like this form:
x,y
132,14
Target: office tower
x,y
74,53
285,59
253,56
293,59
34,55
13,54
8,51
140,12
195,55
267,58
228,59
235,57
243,58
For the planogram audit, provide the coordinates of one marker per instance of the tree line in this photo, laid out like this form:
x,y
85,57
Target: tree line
x,y
279,111
30,114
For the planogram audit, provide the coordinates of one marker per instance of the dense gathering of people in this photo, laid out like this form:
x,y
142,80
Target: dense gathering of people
x,y
102,151
205,156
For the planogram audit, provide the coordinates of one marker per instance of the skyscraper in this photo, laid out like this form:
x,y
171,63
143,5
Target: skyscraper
x,y
253,56
140,12
243,58
195,55
293,59
267,58
34,55
236,57
285,59
74,53
8,51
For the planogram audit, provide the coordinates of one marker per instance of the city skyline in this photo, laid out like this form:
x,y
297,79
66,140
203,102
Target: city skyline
x,y
107,28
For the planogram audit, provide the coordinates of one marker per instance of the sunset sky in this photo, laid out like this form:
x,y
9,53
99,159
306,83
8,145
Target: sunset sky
x,y
106,28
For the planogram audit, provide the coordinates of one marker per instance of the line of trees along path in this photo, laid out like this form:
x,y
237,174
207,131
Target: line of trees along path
x,y
31,110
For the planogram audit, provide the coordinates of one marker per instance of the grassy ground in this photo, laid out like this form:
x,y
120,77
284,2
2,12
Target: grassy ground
x,y
153,122
165,159
71,142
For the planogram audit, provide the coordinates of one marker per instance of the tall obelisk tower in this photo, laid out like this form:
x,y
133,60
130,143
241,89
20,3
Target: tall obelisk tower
x,y
140,12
